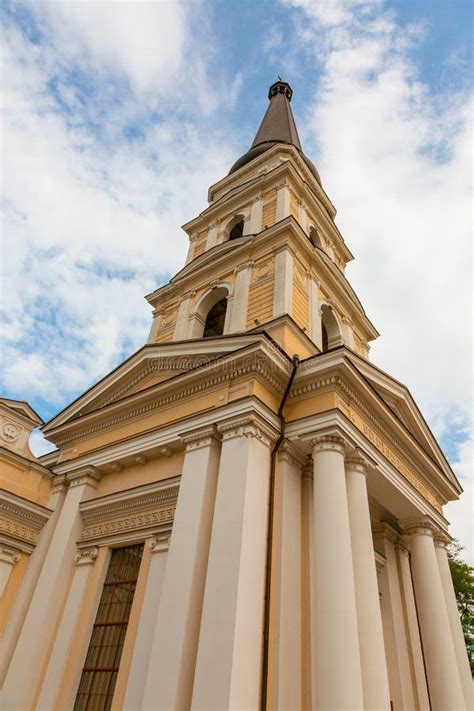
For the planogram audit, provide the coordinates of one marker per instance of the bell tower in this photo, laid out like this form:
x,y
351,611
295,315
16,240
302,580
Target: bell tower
x,y
266,254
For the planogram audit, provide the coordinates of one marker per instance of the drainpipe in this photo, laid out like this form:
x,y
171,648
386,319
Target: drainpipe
x,y
268,575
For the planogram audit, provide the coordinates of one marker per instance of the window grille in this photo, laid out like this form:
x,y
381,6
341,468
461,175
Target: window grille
x,y
101,666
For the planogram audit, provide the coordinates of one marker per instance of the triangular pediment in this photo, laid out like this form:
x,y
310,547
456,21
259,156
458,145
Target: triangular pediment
x,y
21,408
149,366
399,400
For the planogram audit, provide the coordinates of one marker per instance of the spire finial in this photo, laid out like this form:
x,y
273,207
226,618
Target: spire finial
x,y
280,87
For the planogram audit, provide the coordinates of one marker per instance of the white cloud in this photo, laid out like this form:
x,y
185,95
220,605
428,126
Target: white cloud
x,y
90,220
396,160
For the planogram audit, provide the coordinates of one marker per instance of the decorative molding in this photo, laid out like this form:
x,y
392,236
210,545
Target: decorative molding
x,y
422,526
9,555
356,461
328,442
139,509
247,365
287,452
370,427
86,556
21,520
85,476
160,543
247,426
202,437
59,484
385,531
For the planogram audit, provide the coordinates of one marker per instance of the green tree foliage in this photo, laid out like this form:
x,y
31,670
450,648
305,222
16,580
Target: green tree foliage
x,y
463,581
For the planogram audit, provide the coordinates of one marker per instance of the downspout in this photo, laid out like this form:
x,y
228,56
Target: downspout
x,y
268,574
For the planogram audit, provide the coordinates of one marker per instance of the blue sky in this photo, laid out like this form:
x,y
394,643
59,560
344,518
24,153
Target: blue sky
x,y
118,116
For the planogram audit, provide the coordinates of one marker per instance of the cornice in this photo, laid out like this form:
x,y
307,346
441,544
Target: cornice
x,y
21,520
201,437
135,510
350,384
256,360
248,426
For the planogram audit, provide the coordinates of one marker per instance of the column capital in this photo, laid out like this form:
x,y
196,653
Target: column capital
x,y
247,426
84,476
86,556
384,531
59,484
441,539
289,453
356,461
201,437
328,442
9,555
160,543
421,526
308,468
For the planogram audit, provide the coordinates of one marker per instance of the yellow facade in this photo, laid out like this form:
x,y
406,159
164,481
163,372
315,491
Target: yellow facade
x,y
210,451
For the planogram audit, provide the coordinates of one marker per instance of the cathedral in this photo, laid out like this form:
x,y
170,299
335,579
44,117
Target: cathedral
x,y
246,514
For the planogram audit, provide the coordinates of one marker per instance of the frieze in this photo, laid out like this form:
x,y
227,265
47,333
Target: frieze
x,y
129,523
255,366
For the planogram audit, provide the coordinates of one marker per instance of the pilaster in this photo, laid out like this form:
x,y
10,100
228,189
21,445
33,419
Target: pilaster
x,y
8,557
256,215
40,621
230,641
285,687
84,560
172,654
283,291
240,300
182,321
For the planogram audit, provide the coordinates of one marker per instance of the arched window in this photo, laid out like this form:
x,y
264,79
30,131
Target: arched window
x,y
215,319
331,333
315,238
235,228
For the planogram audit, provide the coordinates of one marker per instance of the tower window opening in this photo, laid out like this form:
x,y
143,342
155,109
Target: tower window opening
x,y
331,333
237,230
324,337
315,238
215,319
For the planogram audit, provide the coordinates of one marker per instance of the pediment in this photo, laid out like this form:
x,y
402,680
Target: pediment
x,y
151,365
399,400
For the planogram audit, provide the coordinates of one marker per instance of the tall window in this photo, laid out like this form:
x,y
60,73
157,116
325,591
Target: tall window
x,y
99,674
215,319
237,230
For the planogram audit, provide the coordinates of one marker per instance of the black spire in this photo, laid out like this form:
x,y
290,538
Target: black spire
x,y
278,126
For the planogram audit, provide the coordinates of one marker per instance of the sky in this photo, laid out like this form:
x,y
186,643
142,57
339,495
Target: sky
x,y
117,116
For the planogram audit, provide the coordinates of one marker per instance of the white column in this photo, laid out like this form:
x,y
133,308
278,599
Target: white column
x,y
8,558
133,699
283,291
182,321
413,628
286,643
238,316
338,668
444,681
228,667
30,578
283,202
308,589
441,541
256,215
55,669
397,649
169,680
39,625
369,619
316,330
